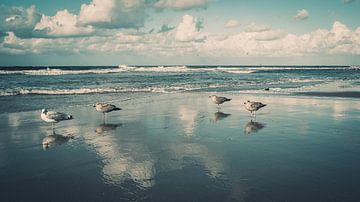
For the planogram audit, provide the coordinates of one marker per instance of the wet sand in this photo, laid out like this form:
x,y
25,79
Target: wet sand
x,y
346,94
179,147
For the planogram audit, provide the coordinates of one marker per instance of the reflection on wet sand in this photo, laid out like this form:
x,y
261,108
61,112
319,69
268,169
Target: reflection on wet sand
x,y
105,127
253,127
219,116
213,162
189,120
123,160
55,139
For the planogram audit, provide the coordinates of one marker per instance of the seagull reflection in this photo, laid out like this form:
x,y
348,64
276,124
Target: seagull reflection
x,y
253,127
105,127
219,116
55,139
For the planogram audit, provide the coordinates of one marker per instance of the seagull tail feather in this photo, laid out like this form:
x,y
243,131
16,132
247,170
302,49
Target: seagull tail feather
x,y
117,109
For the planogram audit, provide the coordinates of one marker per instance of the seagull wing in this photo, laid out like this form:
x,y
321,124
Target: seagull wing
x,y
223,99
257,105
57,116
107,107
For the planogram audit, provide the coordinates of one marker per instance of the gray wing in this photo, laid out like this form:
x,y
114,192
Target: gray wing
x,y
57,116
256,105
108,107
222,99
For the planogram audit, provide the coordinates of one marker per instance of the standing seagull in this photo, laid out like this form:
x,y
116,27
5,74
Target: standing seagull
x,y
54,117
105,108
253,106
219,100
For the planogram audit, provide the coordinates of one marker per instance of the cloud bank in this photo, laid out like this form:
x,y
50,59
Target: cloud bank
x,y
118,27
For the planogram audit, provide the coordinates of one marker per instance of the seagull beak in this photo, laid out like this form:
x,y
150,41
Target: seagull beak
x,y
94,105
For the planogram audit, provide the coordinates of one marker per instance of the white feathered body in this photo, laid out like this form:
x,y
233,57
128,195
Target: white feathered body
x,y
105,108
219,100
253,106
54,117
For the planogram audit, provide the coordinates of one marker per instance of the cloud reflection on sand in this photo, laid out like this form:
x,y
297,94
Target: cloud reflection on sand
x,y
200,153
122,160
189,120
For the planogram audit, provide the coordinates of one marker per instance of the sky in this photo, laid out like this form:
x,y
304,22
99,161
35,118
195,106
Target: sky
x,y
177,32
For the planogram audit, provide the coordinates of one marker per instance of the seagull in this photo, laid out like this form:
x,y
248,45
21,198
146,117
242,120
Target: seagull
x,y
253,106
105,108
219,100
54,117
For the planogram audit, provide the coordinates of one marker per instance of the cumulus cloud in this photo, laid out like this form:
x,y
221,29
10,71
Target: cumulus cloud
x,y
113,13
189,30
256,28
338,40
18,20
184,40
302,15
232,24
63,24
180,4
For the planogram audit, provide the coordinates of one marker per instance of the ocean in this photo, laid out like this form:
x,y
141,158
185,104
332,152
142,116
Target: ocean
x,y
40,82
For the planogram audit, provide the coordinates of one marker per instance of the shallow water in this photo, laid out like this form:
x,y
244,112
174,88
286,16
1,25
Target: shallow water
x,y
179,147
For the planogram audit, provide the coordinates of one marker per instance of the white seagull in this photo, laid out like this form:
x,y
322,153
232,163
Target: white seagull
x,y
54,117
105,108
252,106
219,100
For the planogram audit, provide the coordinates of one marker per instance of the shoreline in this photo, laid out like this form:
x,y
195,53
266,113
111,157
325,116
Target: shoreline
x,y
22,103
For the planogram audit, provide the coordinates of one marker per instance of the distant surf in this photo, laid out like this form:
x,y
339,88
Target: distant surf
x,y
282,80
40,71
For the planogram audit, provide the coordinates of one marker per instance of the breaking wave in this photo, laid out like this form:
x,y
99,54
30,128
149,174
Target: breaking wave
x,y
161,69
15,92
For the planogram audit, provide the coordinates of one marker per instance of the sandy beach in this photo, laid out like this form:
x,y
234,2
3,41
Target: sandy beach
x,y
179,147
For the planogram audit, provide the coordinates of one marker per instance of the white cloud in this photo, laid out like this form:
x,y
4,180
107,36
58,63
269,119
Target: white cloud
x,y
180,4
232,24
113,13
269,35
275,43
302,15
256,28
21,21
63,24
189,29
184,41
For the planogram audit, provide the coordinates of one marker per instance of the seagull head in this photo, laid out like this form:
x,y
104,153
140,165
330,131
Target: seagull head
x,y
211,96
44,111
